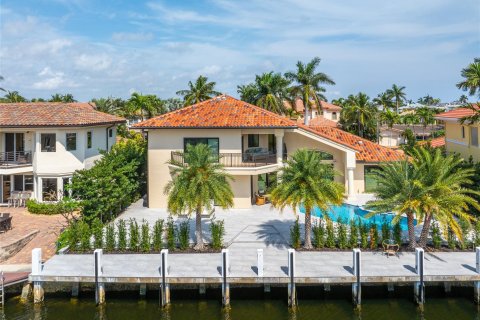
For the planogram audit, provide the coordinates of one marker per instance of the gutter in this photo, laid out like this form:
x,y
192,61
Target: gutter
x,y
106,135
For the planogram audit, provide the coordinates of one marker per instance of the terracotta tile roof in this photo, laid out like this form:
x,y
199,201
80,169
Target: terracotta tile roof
x,y
53,114
455,114
299,107
330,107
367,151
320,121
220,112
434,143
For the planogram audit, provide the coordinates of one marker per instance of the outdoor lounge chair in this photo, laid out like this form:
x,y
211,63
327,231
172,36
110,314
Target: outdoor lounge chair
x,y
390,247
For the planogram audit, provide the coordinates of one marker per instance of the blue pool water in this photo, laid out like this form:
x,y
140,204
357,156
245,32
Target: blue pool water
x,y
347,212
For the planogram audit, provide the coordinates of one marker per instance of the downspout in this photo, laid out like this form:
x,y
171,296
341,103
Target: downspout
x,y
106,135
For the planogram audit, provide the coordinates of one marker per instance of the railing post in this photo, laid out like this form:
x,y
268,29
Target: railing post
x,y
38,293
476,284
419,286
225,274
292,293
164,287
260,262
99,286
356,286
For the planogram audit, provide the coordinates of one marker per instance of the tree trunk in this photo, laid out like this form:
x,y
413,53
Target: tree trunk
x,y
425,229
412,243
198,229
308,228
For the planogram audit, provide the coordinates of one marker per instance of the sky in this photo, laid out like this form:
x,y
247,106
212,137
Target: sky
x,y
107,48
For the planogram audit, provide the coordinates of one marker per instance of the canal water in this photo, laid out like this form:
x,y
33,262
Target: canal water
x,y
123,309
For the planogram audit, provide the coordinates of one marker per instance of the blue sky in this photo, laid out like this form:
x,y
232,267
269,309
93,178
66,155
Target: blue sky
x,y
113,48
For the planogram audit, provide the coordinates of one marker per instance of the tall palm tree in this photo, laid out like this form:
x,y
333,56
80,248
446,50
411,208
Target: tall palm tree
x,y
14,97
196,184
248,92
384,100
358,111
271,91
398,93
390,118
471,83
308,84
306,181
68,98
463,99
199,91
426,117
145,106
2,89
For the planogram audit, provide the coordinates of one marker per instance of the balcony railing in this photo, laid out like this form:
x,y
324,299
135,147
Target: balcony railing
x,y
232,160
18,158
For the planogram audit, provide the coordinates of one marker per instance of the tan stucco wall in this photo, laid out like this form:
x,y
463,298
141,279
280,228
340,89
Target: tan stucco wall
x,y
455,142
241,188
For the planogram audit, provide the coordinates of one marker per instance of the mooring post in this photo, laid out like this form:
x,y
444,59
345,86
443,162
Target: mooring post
x,y
164,287
99,286
225,274
75,289
292,293
38,293
419,286
356,286
260,262
476,284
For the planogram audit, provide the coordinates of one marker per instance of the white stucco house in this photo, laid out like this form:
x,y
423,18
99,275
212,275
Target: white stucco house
x,y
43,143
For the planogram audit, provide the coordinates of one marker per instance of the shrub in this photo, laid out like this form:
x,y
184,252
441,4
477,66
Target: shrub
x,y
184,234
318,231
97,230
397,233
436,237
373,236
451,239
330,241
122,235
386,232
217,229
477,234
295,235
342,234
353,240
110,237
85,235
73,236
134,234
364,235
145,239
465,228
51,208
157,235
171,232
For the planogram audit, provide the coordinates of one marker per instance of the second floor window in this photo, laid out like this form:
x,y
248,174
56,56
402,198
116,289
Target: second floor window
x,y
334,116
110,133
474,135
48,141
253,140
211,142
71,141
463,132
89,139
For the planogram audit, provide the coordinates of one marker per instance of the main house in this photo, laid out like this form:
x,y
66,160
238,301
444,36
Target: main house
x,y
252,144
463,139
43,143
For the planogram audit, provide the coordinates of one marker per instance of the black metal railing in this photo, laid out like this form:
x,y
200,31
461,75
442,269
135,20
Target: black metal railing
x,y
233,160
17,158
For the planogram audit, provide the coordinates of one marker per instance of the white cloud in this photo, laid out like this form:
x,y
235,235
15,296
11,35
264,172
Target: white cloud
x,y
52,80
93,62
132,36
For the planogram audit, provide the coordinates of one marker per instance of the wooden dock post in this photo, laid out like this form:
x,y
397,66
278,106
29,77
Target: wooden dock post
x,y
75,289
476,284
419,286
99,286
260,262
356,286
164,287
292,292
225,274
38,292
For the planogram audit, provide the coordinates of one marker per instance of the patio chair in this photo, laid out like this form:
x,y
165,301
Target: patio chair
x,y
14,199
24,196
5,224
390,247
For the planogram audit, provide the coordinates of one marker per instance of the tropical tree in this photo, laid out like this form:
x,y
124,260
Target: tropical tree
x,y
359,116
426,117
172,104
248,92
199,91
2,89
463,99
196,184
397,93
57,97
390,118
308,84
410,119
144,106
13,97
306,181
111,105
271,91
474,117
384,100
471,75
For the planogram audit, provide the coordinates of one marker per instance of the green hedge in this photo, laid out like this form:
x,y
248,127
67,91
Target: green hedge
x,y
36,207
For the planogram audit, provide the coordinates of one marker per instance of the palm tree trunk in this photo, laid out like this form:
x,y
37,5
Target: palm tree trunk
x,y
425,229
308,228
411,231
198,230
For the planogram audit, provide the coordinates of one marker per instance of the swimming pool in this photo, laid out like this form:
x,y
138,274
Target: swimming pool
x,y
347,212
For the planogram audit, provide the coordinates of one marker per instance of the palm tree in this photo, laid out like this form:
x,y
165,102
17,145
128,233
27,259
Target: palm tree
x,y
475,117
57,97
384,100
463,99
306,181
248,93
359,112
390,118
68,98
145,106
199,91
308,84
398,93
271,91
14,97
109,105
425,115
471,83
197,184
2,89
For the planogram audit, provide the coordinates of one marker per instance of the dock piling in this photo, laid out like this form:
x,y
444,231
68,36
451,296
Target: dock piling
x,y
260,262
419,286
476,284
225,274
356,286
164,287
99,286
75,289
292,293
38,292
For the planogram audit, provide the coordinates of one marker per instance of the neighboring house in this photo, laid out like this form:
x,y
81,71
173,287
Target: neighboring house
x,y
463,139
434,143
392,137
43,143
252,144
329,111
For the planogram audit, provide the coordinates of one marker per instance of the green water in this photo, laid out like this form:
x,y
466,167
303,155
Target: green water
x,y
375,309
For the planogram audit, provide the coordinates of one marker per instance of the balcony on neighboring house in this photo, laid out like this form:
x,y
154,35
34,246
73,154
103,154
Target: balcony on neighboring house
x,y
235,160
14,159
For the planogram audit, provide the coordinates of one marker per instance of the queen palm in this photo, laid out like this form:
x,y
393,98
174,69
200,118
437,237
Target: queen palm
x,y
197,184
306,181
425,115
271,91
471,83
384,100
474,117
248,92
398,93
308,84
14,96
390,118
359,111
199,91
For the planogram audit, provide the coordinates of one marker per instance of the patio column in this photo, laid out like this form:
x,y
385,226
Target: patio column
x,y
350,180
279,145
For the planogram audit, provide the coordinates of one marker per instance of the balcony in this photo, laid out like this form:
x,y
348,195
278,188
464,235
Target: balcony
x,y
236,160
15,159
